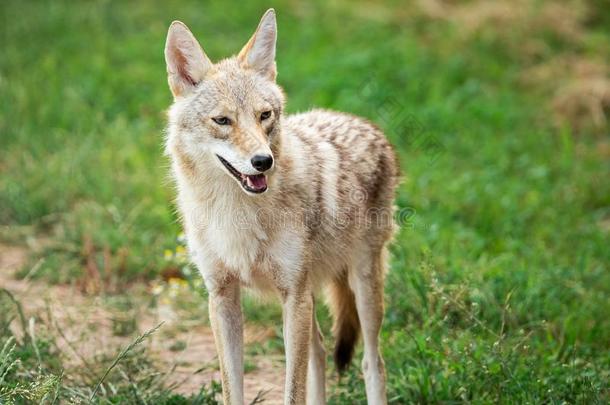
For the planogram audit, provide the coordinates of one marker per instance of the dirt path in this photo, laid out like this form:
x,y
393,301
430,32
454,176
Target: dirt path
x,y
89,324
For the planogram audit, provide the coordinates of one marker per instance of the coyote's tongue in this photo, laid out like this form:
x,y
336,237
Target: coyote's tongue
x,y
257,182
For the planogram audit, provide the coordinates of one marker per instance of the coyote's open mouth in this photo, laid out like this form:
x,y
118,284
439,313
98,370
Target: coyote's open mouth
x,y
254,183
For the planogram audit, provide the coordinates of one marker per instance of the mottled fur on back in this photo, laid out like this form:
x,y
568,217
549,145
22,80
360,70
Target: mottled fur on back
x,y
321,215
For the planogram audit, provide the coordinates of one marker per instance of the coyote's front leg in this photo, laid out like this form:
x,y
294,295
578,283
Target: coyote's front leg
x,y
227,324
298,307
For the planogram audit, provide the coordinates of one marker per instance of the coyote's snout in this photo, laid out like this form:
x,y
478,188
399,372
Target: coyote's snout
x,y
286,205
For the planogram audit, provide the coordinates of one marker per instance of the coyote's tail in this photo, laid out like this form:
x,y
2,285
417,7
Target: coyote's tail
x,y
346,326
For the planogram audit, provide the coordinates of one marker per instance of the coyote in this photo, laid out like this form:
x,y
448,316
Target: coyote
x,y
280,204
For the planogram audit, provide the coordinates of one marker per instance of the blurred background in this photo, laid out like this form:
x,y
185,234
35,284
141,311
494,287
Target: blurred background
x,y
499,287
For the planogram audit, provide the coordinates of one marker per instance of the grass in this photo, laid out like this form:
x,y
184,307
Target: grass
x,y
499,283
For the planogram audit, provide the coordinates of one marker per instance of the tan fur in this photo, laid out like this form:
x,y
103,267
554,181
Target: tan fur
x,y
325,218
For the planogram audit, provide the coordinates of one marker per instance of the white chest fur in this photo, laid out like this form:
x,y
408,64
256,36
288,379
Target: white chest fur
x,y
221,231
224,227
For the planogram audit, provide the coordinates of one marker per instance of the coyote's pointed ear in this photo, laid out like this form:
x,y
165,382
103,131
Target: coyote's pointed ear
x,y
187,64
259,52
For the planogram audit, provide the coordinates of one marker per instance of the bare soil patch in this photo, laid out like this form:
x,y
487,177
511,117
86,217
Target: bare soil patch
x,y
88,326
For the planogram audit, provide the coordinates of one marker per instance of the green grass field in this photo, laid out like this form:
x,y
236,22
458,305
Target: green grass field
x,y
499,288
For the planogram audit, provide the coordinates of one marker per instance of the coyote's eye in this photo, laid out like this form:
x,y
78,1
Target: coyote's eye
x,y
222,120
265,115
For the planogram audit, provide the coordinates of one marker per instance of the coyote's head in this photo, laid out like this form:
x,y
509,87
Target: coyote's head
x,y
228,112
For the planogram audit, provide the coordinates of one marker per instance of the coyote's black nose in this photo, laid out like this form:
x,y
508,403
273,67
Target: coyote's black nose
x,y
262,162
